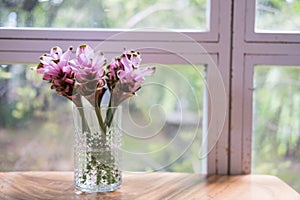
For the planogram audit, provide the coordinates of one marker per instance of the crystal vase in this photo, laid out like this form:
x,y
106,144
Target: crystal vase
x,y
97,152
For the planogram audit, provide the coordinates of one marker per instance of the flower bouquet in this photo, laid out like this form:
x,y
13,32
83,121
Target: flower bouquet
x,y
85,80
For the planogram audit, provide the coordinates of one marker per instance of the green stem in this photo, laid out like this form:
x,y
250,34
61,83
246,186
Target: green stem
x,y
110,113
98,113
100,119
85,126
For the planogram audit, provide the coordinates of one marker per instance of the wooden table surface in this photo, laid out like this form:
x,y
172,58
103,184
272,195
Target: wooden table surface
x,y
148,186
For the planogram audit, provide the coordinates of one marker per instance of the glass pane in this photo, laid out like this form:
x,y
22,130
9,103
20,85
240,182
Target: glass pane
x,y
277,15
35,124
276,133
161,125
172,14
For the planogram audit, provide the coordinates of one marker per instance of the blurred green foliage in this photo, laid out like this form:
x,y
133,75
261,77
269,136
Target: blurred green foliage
x,y
22,96
277,15
104,14
167,111
276,134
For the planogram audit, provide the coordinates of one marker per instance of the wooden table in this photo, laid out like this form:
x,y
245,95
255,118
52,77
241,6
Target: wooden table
x,y
147,186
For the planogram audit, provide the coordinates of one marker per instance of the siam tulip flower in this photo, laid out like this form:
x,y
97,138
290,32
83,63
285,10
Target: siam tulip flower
x,y
127,62
127,86
56,70
88,66
124,78
112,70
131,60
86,76
129,83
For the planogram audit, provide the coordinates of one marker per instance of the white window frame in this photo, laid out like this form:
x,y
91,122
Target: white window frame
x,y
25,45
250,49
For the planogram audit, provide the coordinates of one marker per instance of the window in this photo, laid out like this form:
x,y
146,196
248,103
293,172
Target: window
x,y
32,138
276,131
105,14
228,44
277,16
162,126
194,44
253,49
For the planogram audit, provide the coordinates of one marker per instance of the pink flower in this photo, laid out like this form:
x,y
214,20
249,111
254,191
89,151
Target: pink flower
x,y
56,70
127,62
129,83
124,77
132,79
131,60
86,75
88,66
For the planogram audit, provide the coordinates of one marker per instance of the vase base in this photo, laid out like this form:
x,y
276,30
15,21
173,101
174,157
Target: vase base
x,y
101,188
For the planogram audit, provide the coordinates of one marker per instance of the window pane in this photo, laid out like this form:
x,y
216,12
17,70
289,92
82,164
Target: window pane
x,y
276,133
278,16
35,124
172,14
161,126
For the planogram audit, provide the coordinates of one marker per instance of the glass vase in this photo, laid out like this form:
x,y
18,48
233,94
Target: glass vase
x,y
97,146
